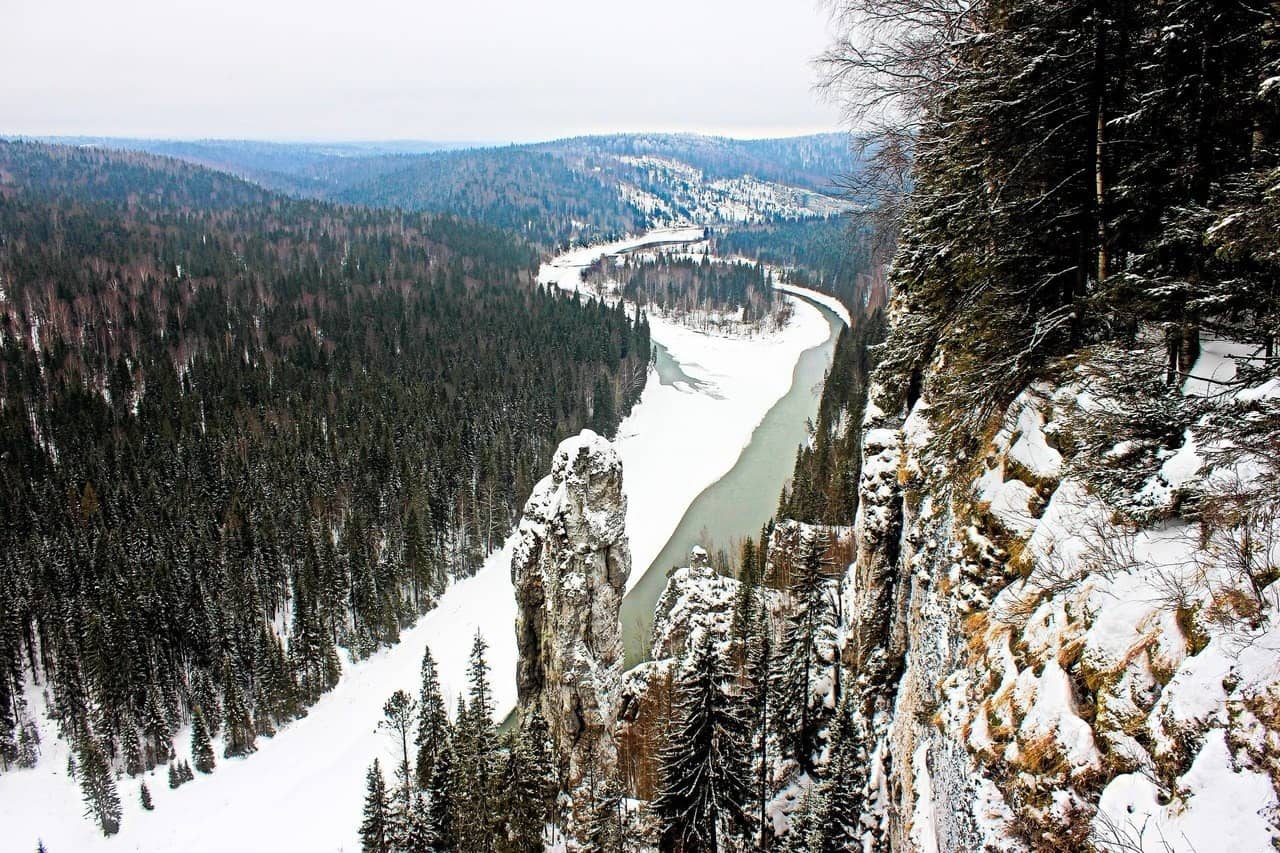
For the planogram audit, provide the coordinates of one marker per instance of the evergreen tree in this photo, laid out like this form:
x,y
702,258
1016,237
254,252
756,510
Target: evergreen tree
x,y
475,818
520,800
441,804
238,727
28,745
174,778
133,760
433,721
605,827
744,603
803,830
535,741
375,824
838,805
415,837
98,786
812,613
604,417
529,785
398,713
145,796
758,666
481,699
201,749
704,769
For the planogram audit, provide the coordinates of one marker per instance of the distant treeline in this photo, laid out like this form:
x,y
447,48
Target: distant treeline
x,y
834,255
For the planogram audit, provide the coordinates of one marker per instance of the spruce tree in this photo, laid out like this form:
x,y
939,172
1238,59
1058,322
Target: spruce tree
x,y
433,721
98,786
475,755
520,800
803,829
28,745
155,728
605,829
812,615
145,796
375,823
703,766
838,804
133,759
201,749
759,660
744,603
238,727
415,835
441,805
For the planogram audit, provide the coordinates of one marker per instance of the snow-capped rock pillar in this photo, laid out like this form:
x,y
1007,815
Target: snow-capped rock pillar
x,y
569,569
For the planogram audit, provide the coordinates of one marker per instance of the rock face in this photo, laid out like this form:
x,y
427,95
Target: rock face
x,y
570,569
1019,682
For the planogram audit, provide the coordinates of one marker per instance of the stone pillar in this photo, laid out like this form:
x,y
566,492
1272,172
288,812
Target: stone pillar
x,y
569,569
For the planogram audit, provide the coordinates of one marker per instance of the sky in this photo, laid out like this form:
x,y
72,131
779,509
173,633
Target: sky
x,y
474,70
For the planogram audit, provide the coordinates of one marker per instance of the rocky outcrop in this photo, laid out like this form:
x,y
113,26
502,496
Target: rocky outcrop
x,y
1030,671
569,569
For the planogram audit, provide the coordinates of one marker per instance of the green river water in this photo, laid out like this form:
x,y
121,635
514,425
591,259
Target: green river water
x,y
740,502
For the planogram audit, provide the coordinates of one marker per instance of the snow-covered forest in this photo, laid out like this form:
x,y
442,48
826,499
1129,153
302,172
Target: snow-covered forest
x,y
315,462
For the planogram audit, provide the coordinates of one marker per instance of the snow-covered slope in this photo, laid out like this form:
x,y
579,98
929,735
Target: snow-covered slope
x,y
1042,667
674,192
303,788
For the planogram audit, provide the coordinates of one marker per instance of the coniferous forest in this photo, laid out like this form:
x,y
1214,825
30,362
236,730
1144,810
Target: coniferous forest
x,y
235,424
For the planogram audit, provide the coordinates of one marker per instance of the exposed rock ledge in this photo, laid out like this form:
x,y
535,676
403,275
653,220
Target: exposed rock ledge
x,y
569,569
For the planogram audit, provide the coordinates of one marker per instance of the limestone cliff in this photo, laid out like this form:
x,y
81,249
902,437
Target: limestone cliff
x,y
569,569
1059,642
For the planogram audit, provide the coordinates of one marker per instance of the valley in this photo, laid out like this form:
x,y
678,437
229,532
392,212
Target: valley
x,y
717,422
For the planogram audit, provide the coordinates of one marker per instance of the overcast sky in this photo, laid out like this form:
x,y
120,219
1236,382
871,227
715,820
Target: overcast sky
x,y
479,70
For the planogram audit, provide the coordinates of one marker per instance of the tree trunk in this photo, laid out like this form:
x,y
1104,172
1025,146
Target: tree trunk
x,y
1100,138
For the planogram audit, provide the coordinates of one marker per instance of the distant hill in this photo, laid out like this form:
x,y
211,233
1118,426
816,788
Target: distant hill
x,y
811,162
551,193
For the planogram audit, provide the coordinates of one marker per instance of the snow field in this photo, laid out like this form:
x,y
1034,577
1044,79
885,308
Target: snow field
x,y
303,789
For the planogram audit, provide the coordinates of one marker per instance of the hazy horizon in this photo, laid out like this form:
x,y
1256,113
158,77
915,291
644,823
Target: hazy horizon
x,y
443,144
320,71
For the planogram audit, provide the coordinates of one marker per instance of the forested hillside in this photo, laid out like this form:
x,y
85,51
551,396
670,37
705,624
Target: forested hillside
x,y
577,190
531,193
816,162
841,256
241,431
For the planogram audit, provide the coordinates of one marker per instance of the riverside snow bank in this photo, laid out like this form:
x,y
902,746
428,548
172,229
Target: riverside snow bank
x,y
680,439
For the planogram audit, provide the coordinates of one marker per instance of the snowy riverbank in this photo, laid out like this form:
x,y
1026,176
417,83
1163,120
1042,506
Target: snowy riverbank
x,y
679,439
